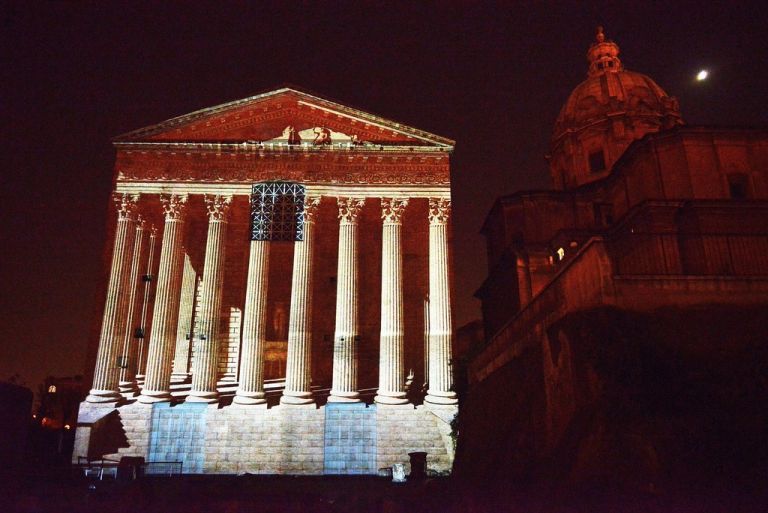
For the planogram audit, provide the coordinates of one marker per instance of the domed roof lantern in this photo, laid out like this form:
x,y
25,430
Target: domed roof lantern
x,y
603,55
603,115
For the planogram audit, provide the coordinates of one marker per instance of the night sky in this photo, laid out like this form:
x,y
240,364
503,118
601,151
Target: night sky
x,y
491,76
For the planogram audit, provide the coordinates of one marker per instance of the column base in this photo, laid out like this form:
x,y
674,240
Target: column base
x,y
180,377
249,398
385,398
297,398
203,397
154,396
441,398
344,397
129,389
103,396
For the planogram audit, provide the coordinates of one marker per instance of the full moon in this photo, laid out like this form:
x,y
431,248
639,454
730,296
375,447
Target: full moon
x,y
702,75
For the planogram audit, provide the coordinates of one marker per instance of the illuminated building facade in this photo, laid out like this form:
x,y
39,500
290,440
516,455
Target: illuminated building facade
x,y
621,308
279,295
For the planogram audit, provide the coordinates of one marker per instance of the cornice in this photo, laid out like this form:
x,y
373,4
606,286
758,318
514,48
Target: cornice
x,y
312,189
263,148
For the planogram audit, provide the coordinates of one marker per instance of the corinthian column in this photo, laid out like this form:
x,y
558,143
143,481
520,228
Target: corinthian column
x,y
391,375
346,339
157,385
298,366
251,388
440,326
128,386
204,373
105,375
142,342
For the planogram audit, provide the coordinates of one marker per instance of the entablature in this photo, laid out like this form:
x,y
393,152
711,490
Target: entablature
x,y
312,189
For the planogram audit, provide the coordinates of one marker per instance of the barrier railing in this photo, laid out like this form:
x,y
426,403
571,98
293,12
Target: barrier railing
x,y
105,467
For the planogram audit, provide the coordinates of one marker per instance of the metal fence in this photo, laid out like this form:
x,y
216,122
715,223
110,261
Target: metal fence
x,y
127,469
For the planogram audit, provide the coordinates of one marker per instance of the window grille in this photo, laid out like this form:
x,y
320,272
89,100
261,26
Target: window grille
x,y
277,211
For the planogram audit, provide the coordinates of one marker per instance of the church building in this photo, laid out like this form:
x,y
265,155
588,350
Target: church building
x,y
279,294
625,308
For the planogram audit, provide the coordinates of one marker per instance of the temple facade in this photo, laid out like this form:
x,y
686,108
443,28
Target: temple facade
x,y
622,307
279,293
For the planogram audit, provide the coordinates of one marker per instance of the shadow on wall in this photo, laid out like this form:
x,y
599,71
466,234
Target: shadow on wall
x,y
675,398
107,436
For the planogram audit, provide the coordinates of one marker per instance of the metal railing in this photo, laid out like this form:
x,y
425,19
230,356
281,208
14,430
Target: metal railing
x,y
163,468
105,467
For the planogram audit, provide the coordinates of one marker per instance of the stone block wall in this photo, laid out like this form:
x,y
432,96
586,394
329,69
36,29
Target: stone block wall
x,y
331,439
230,344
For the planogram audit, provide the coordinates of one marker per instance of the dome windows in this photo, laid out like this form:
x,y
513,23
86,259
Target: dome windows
x,y
603,115
597,161
738,186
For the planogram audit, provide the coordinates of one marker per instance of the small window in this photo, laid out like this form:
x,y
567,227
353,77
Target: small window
x,y
738,186
596,161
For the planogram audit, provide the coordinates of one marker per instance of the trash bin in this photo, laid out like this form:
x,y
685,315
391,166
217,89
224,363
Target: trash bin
x,y
418,466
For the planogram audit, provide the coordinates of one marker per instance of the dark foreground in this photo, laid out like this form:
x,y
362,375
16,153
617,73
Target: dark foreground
x,y
57,492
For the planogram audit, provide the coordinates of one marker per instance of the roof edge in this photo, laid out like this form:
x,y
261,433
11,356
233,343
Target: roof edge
x,y
136,135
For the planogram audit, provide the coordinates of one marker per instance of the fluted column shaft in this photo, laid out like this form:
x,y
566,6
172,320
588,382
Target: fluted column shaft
x,y
205,371
251,388
165,317
112,336
184,327
391,371
143,342
346,338
440,325
298,371
129,352
426,343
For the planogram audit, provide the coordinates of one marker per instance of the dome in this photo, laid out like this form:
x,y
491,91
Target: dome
x,y
603,115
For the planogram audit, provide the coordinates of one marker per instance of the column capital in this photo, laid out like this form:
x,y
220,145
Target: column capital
x,y
392,209
141,223
349,209
439,210
126,205
153,231
174,206
311,206
218,206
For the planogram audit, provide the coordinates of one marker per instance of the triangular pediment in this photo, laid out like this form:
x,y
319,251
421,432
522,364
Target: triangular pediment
x,y
285,115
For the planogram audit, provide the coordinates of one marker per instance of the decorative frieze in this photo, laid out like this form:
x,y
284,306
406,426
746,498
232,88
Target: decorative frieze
x,y
253,168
